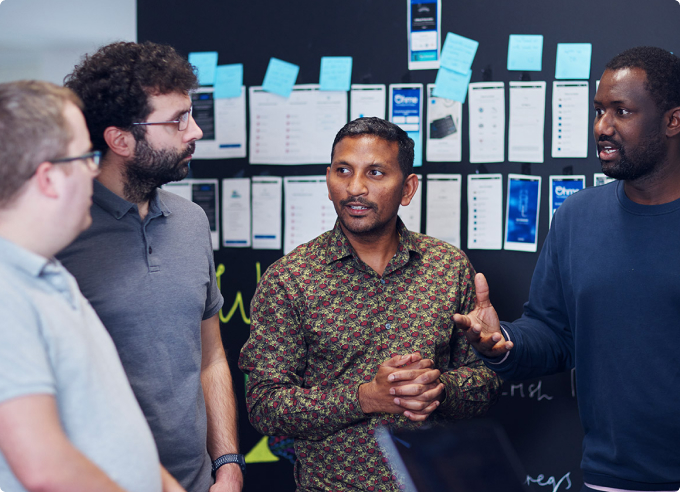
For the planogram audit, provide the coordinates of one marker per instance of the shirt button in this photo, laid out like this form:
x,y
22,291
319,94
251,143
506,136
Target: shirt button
x,y
382,280
150,250
388,325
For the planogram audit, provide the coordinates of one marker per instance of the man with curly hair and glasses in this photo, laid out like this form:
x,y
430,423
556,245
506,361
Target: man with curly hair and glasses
x,y
146,264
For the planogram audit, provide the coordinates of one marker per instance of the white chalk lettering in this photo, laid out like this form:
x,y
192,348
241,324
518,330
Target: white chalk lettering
x,y
550,482
534,391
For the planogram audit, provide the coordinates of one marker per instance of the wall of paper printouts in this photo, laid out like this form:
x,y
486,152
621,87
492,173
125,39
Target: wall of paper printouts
x,y
265,179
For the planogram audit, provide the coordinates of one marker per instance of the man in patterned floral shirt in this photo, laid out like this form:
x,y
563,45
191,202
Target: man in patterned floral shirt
x,y
355,328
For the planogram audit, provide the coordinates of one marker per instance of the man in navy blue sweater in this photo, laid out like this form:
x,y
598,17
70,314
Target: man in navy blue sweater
x,y
605,295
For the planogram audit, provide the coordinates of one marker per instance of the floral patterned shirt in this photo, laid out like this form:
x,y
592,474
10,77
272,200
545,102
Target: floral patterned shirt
x,y
323,321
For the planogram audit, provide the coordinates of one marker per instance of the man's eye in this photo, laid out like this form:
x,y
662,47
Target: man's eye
x,y
599,111
622,111
375,172
342,170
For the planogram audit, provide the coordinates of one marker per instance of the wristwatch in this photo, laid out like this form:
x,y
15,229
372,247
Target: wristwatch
x,y
229,458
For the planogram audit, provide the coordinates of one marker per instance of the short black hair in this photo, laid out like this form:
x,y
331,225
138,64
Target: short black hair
x,y
384,130
663,73
115,84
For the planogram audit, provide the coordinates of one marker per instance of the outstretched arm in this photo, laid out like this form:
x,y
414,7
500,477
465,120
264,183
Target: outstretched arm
x,y
481,326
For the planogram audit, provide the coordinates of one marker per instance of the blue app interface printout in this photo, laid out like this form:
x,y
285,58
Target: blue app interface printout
x,y
523,205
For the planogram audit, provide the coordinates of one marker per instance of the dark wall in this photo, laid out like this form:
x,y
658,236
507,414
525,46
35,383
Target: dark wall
x,y
540,416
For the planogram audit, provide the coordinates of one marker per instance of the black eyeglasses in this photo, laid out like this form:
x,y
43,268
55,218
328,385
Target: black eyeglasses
x,y
182,122
91,160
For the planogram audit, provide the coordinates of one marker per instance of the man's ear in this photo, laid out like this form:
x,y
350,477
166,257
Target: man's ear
x,y
121,142
409,189
328,173
673,122
47,181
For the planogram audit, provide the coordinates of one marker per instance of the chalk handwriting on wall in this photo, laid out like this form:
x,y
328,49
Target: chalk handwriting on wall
x,y
533,391
238,301
551,482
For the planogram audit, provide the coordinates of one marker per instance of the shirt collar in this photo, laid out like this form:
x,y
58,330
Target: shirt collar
x,y
339,247
36,266
118,206
21,258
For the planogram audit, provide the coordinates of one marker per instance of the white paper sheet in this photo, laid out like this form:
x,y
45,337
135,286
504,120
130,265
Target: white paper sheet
x,y
527,122
236,212
267,199
308,211
443,207
410,215
423,29
486,104
205,193
295,130
485,211
570,119
521,217
367,100
444,120
224,125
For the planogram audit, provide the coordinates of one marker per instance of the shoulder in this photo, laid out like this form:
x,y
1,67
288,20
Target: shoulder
x,y
180,206
305,260
433,250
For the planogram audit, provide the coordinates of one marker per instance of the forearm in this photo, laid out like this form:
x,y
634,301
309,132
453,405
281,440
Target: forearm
x,y
309,413
538,350
222,414
469,391
40,454
68,470
221,409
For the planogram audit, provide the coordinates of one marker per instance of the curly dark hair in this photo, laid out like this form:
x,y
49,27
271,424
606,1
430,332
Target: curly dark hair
x,y
384,130
115,84
663,73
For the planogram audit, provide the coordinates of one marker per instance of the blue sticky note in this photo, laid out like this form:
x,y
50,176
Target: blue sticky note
x,y
228,81
451,85
336,73
417,148
458,53
280,77
206,65
525,52
573,60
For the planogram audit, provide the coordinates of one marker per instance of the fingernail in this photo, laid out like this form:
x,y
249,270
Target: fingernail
x,y
396,401
390,377
392,392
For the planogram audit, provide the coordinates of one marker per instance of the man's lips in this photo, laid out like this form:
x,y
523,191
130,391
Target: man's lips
x,y
356,208
607,150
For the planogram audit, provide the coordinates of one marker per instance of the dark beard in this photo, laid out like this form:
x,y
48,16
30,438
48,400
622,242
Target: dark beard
x,y
642,160
151,168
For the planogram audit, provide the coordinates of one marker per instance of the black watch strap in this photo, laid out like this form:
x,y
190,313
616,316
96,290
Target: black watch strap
x,y
229,458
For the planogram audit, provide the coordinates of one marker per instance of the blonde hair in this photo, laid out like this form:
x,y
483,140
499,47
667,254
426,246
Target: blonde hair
x,y
33,130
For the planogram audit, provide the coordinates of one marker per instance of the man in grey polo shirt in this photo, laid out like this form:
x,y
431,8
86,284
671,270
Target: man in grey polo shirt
x,y
146,264
68,418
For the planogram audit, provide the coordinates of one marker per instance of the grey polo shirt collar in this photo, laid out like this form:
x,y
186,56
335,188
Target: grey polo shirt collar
x,y
37,267
118,207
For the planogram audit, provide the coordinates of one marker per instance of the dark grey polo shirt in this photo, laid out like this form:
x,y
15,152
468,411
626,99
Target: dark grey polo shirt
x,y
152,282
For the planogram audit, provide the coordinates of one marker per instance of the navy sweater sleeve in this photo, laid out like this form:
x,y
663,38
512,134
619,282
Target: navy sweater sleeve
x,y
543,338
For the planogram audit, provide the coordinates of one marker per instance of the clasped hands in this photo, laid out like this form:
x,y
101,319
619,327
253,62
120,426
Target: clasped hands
x,y
405,384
